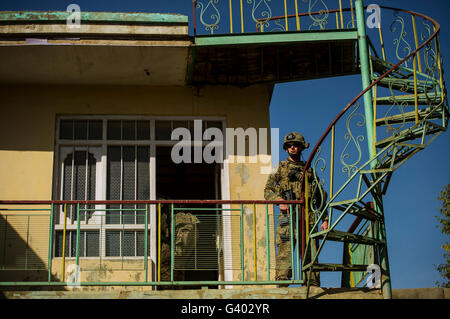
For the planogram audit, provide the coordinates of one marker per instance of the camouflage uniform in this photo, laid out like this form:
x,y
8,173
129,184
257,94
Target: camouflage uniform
x,y
185,239
288,177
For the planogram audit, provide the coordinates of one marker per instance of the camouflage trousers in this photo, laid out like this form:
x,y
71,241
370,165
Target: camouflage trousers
x,y
185,239
283,242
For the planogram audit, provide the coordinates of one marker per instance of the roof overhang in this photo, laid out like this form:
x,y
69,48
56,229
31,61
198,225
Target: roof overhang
x,y
106,48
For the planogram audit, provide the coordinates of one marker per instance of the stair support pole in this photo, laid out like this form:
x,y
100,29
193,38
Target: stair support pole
x,y
365,73
368,111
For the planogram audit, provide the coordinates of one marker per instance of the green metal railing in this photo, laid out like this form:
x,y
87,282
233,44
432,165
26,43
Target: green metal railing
x,y
247,16
77,247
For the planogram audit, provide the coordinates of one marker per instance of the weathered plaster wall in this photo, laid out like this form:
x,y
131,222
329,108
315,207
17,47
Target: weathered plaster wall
x,y
28,126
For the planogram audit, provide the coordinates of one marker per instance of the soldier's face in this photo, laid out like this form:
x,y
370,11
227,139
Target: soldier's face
x,y
293,149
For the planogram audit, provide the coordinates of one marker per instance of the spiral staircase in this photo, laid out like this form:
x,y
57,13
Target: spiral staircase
x,y
415,112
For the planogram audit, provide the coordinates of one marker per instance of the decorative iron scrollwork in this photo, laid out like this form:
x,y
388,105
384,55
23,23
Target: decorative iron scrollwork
x,y
211,9
279,26
321,18
350,168
401,37
431,63
396,105
318,194
265,12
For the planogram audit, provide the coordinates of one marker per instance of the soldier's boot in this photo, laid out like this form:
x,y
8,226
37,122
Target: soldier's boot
x,y
279,278
283,272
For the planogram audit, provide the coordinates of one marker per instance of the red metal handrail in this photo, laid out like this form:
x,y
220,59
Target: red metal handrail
x,y
143,202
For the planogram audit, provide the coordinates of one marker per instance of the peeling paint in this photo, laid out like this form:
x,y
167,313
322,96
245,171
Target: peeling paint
x,y
242,171
37,16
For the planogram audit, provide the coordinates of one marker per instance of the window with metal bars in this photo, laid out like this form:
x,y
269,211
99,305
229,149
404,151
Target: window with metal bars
x,y
79,174
128,178
88,243
117,243
86,154
125,243
108,158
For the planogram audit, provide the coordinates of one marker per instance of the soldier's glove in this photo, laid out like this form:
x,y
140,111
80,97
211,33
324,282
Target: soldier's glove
x,y
294,174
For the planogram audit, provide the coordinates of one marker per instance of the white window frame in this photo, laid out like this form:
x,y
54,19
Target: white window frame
x,y
101,180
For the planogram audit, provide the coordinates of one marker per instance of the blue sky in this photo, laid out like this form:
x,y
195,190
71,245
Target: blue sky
x,y
414,241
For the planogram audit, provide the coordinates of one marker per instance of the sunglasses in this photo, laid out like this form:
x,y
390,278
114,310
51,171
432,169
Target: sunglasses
x,y
289,145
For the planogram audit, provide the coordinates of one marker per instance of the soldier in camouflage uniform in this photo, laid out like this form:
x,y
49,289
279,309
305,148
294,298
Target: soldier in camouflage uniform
x,y
185,239
288,178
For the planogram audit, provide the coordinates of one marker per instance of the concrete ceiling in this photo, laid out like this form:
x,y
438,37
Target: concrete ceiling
x,y
102,48
114,64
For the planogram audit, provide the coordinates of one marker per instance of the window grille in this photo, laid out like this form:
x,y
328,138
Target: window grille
x,y
108,158
127,178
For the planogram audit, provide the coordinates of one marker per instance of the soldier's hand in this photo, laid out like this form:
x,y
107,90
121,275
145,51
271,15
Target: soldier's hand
x,y
324,225
283,206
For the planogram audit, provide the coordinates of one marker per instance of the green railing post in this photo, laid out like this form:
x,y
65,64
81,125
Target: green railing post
x,y
297,242
368,110
365,73
242,241
50,244
28,238
255,258
4,239
146,243
77,251
291,230
267,242
122,240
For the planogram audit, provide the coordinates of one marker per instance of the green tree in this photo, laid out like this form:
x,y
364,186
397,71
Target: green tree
x,y
444,225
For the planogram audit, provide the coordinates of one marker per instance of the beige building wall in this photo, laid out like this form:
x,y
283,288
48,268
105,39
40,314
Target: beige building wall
x,y
27,145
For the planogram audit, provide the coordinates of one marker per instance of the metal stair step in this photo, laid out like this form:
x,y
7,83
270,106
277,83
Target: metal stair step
x,y
335,267
366,215
408,99
343,202
340,236
380,66
407,117
405,150
360,212
401,73
404,85
409,137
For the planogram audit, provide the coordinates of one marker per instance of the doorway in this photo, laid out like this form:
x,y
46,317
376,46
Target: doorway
x,y
193,181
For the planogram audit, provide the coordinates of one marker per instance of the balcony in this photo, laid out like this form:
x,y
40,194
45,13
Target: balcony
x,y
254,45
157,243
225,244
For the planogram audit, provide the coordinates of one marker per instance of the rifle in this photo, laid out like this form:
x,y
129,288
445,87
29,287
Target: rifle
x,y
288,195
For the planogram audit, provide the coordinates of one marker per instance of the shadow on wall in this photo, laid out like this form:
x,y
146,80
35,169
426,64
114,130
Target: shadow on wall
x,y
20,259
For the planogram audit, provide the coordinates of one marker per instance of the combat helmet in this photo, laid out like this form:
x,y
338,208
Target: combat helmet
x,y
295,137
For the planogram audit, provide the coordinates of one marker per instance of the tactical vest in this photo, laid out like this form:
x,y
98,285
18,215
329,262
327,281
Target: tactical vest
x,y
289,177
